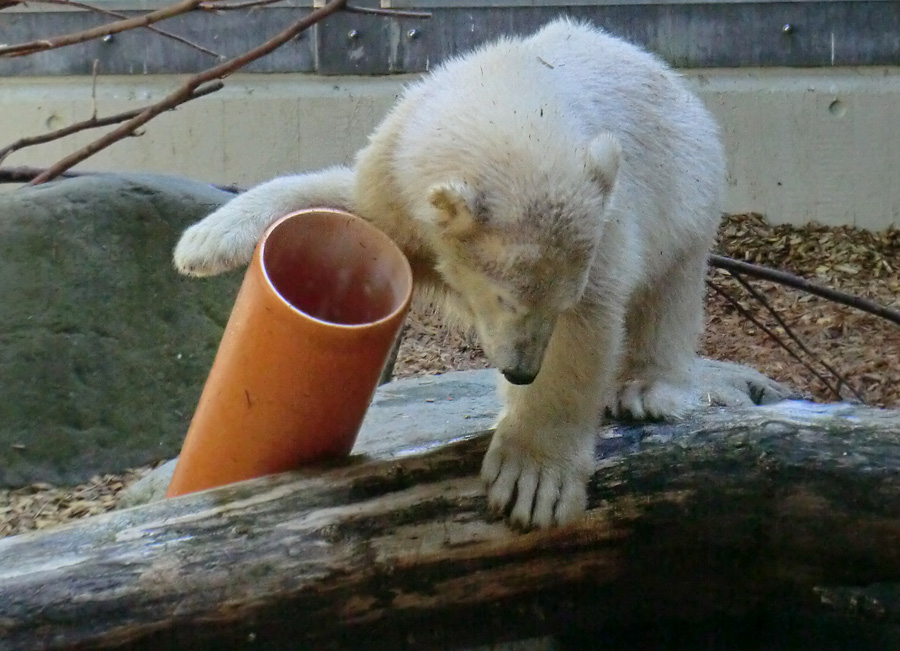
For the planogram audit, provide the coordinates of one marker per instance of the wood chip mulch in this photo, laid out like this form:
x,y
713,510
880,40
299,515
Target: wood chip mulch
x,y
863,348
41,505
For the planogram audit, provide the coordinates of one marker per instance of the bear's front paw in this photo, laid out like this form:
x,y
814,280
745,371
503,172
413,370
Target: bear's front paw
x,y
657,400
211,247
538,483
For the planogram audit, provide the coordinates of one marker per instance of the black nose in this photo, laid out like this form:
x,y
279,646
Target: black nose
x,y
515,376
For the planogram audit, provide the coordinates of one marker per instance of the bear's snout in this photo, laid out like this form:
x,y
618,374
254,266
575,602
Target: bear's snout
x,y
517,376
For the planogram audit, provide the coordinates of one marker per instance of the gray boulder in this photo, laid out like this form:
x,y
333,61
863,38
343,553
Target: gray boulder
x,y
421,412
103,347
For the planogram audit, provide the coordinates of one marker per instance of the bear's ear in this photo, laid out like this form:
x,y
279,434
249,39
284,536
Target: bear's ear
x,y
604,154
458,205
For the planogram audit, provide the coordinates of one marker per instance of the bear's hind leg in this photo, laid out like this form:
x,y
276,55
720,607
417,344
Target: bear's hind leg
x,y
663,326
663,378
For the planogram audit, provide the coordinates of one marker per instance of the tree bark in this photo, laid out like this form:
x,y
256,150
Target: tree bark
x,y
792,505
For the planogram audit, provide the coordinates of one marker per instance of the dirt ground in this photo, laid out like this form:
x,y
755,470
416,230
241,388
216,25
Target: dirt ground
x,y
862,348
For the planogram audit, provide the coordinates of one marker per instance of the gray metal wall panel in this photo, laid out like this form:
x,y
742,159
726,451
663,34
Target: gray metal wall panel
x,y
700,35
479,4
141,51
705,34
354,44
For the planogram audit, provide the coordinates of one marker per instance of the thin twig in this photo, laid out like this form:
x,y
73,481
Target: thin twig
x,y
26,174
755,293
231,6
21,49
394,13
94,122
374,11
94,70
116,14
750,317
790,280
187,89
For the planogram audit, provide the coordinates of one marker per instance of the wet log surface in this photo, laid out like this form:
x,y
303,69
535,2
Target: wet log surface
x,y
791,504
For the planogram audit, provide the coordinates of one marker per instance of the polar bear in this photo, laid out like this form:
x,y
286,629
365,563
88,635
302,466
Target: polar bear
x,y
560,192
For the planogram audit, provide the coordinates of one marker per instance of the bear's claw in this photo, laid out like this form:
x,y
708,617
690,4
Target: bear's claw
x,y
534,494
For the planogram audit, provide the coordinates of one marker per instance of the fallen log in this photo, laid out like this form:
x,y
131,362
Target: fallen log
x,y
789,505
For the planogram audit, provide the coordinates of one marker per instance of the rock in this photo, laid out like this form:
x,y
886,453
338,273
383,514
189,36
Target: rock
x,y
420,412
149,488
413,415
427,412
103,347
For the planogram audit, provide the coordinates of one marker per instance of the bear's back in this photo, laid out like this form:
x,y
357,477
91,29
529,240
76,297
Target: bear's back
x,y
569,80
563,85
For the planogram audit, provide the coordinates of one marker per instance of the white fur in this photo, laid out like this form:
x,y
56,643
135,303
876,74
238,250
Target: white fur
x,y
228,237
559,192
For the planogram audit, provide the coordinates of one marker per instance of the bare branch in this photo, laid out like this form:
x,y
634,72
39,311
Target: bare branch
x,y
116,14
759,324
231,6
94,122
790,280
790,333
212,5
393,13
143,20
94,69
187,89
26,174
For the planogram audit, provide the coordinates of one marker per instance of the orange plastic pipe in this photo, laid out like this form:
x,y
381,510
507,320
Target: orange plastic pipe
x,y
310,332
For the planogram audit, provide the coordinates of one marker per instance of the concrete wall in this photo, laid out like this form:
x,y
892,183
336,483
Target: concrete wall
x,y
810,145
818,144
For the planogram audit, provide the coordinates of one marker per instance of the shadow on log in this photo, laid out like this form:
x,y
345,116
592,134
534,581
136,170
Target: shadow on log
x,y
793,506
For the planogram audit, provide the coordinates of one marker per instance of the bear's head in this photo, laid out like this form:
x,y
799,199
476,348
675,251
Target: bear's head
x,y
516,246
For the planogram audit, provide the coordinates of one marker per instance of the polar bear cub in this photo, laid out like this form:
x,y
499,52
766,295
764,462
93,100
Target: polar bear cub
x,y
560,192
